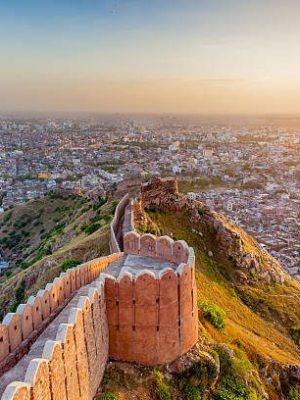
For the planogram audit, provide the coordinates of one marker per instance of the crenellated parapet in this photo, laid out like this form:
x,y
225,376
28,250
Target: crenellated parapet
x,y
152,318
138,306
19,329
152,301
162,247
116,225
69,361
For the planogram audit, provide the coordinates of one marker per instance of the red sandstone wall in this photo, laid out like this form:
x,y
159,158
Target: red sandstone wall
x,y
115,227
18,329
152,321
72,363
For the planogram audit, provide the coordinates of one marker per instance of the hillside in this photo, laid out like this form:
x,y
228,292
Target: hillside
x,y
45,236
249,310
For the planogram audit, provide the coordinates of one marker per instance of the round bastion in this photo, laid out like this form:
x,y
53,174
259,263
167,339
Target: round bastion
x,y
151,300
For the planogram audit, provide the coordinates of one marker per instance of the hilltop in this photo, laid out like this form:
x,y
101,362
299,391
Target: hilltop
x,y
249,309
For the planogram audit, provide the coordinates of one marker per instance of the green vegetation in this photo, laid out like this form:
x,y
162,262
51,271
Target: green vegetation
x,y
89,229
192,392
114,205
19,296
46,231
295,333
237,381
214,314
162,390
73,262
7,216
109,396
294,393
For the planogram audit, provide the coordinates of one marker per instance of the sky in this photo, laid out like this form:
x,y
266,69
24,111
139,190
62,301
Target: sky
x,y
154,56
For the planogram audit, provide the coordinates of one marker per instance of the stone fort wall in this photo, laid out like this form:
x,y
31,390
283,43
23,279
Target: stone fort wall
x,y
85,316
68,359
153,319
116,225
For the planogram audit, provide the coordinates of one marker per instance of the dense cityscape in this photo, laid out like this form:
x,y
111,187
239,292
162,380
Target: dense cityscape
x,y
250,172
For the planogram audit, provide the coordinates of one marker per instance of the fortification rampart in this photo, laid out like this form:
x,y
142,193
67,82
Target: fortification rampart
x,y
152,315
68,359
146,313
116,225
18,330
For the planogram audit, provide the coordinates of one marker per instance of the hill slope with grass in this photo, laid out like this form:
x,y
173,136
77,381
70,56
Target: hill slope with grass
x,y
249,311
46,236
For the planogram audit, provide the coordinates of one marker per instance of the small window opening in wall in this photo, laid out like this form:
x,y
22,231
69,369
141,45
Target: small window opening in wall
x,y
68,341
157,328
53,295
15,327
133,300
46,301
1,339
27,318
157,300
179,322
133,328
37,309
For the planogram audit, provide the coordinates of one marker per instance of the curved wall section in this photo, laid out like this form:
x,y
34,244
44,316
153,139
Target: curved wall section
x,y
152,320
18,330
116,239
67,361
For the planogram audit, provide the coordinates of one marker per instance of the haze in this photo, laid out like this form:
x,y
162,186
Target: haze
x,y
205,56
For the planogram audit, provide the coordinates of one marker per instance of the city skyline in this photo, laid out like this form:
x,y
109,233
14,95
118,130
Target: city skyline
x,y
211,57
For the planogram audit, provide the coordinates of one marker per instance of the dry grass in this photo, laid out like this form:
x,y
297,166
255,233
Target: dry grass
x,y
262,332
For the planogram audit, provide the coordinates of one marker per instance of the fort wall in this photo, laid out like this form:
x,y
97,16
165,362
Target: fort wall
x,y
153,319
18,330
116,225
56,346
68,360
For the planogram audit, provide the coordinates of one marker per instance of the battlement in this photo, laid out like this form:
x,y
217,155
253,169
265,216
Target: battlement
x,y
138,306
18,330
162,247
152,317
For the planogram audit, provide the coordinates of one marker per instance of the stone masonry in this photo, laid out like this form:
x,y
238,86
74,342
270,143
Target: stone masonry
x,y
139,305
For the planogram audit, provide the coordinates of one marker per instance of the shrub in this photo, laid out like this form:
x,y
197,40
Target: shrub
x,y
114,206
231,390
214,314
294,393
162,390
192,392
73,262
8,273
24,265
7,216
91,228
201,372
109,396
107,218
201,212
295,333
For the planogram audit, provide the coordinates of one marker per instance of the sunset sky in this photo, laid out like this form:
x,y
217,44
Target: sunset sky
x,y
187,56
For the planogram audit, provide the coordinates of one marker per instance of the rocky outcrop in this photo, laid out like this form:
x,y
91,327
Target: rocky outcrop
x,y
252,263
